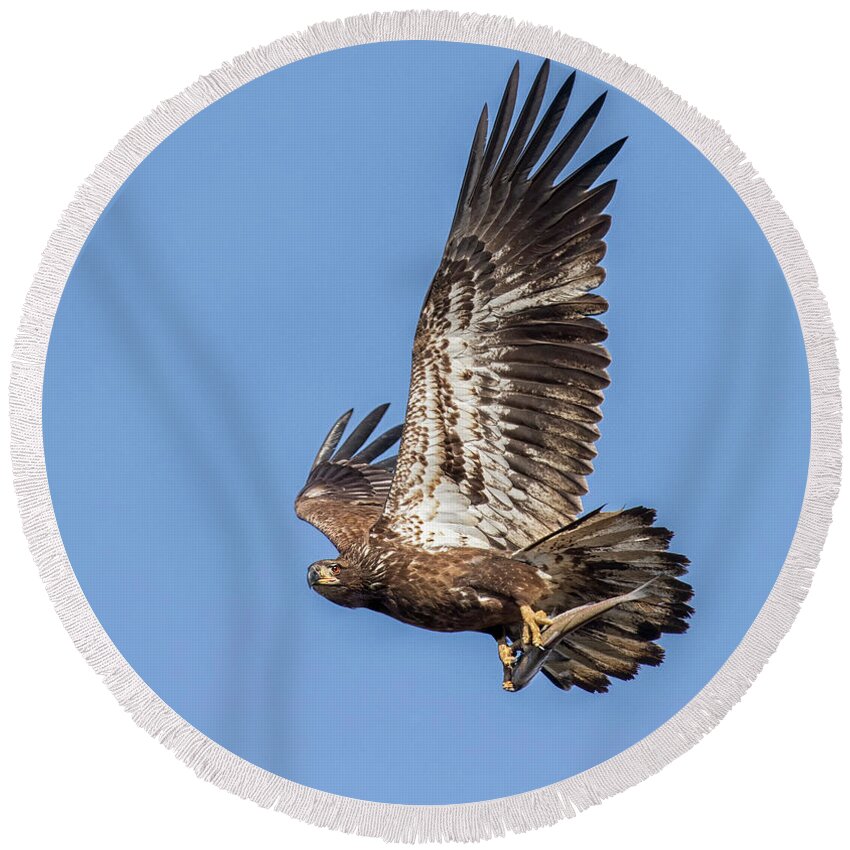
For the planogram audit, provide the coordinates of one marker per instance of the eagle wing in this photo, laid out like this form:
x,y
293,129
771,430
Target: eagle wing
x,y
508,362
347,486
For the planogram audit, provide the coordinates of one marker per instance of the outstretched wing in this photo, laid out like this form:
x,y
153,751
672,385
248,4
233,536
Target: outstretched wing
x,y
347,487
508,363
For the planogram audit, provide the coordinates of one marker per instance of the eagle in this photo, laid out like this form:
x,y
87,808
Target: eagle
x,y
476,524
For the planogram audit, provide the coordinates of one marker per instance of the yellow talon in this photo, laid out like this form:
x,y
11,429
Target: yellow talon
x,y
542,618
506,655
508,686
531,622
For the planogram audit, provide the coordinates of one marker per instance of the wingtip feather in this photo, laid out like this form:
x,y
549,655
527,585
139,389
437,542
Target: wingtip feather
x,y
331,441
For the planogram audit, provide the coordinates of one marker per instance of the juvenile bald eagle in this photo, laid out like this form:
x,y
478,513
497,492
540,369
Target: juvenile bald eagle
x,y
476,524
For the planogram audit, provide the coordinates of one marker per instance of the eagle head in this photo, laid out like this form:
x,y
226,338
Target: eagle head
x,y
338,581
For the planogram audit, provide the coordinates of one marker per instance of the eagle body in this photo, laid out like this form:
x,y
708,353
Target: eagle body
x,y
476,524
452,590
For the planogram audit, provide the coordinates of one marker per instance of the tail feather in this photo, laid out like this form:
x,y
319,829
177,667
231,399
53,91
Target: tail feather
x,y
565,673
606,554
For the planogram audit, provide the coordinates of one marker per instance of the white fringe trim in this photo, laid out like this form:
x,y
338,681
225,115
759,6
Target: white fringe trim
x,y
469,821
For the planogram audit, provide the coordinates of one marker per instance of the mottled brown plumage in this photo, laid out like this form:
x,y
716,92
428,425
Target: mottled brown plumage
x,y
477,525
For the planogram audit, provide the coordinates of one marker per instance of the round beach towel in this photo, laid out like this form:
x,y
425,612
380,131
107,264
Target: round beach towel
x,y
426,425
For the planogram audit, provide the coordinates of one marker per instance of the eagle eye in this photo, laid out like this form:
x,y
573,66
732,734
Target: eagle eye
x,y
335,569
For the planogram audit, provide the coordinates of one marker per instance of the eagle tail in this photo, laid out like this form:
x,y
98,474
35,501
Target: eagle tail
x,y
607,554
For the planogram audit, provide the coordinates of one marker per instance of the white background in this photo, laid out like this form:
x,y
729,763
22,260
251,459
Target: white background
x,y
76,77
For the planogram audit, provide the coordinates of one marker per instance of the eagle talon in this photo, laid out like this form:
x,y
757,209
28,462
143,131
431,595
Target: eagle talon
x,y
531,622
507,655
508,685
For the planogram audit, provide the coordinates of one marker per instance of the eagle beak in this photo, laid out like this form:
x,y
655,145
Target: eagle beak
x,y
320,575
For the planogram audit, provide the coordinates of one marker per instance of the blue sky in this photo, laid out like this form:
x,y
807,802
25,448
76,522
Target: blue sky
x,y
261,272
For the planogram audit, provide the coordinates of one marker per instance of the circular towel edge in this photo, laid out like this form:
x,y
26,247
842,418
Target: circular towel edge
x,y
397,822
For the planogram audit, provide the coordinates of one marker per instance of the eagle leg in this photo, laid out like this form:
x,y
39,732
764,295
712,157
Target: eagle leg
x,y
531,622
507,655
